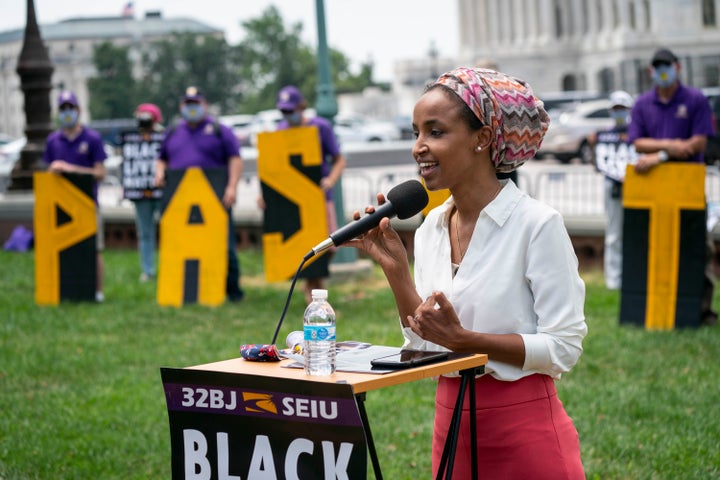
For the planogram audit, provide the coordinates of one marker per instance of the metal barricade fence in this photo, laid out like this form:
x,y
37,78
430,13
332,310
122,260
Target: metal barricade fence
x,y
575,191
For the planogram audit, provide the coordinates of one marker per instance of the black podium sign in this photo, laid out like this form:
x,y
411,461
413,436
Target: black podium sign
x,y
232,426
65,243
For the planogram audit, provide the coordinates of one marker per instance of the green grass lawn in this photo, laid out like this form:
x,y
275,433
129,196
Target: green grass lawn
x,y
81,395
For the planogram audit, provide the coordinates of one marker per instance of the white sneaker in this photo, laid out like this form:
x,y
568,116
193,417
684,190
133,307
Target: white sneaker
x,y
144,277
99,297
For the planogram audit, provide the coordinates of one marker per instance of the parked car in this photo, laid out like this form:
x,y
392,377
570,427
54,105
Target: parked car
x,y
404,123
561,101
357,128
566,137
241,126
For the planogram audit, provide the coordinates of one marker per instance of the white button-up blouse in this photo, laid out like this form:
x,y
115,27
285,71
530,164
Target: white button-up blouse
x,y
519,275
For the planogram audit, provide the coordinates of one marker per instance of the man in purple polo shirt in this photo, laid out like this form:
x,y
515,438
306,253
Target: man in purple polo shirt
x,y
75,148
200,141
292,106
671,122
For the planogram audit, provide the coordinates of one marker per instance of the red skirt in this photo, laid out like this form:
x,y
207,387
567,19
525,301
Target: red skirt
x,y
522,428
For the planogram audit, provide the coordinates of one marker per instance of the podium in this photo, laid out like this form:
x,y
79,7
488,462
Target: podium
x,y
237,419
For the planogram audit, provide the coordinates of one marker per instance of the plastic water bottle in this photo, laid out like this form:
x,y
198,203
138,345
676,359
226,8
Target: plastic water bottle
x,y
319,330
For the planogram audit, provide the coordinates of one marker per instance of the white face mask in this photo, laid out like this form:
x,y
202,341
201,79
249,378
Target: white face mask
x,y
621,116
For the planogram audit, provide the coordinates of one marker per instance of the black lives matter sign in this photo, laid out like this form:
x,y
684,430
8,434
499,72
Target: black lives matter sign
x,y
231,426
138,167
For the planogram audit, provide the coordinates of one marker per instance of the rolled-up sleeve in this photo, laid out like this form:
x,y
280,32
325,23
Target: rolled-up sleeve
x,y
559,298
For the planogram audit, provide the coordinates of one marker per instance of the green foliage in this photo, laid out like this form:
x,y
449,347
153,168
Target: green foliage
x,y
241,78
186,59
113,90
81,393
274,55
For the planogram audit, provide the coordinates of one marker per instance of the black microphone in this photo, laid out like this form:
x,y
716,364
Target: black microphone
x,y
404,200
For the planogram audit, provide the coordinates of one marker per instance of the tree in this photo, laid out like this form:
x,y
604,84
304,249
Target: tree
x,y
273,56
187,59
112,90
235,79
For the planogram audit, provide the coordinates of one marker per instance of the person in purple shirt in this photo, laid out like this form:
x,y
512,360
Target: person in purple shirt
x,y
75,148
292,105
198,140
671,122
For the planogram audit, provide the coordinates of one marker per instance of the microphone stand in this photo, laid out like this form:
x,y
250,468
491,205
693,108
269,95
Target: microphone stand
x,y
307,257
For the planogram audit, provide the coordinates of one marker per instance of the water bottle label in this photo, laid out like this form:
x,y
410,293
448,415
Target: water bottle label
x,y
319,332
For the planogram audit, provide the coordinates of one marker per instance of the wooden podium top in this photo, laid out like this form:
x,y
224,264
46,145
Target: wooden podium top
x,y
360,382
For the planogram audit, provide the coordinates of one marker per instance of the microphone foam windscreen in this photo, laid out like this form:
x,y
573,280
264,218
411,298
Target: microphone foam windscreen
x,y
408,198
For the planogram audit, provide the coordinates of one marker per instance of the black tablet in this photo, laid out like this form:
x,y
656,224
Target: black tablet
x,y
408,358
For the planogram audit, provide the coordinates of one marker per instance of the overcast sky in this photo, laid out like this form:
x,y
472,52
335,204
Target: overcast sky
x,y
384,30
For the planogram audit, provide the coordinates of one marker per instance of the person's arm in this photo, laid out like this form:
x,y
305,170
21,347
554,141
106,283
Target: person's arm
x,y
160,167
383,244
326,183
235,167
96,153
655,151
559,294
436,321
97,170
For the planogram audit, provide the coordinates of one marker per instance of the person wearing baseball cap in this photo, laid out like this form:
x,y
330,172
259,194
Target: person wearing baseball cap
x,y
494,272
199,140
75,148
289,99
663,57
292,106
672,122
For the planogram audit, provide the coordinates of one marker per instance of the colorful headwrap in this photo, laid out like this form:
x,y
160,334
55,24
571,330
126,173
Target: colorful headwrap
x,y
508,106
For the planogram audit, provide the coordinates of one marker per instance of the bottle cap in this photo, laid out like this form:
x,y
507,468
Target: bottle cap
x,y
319,293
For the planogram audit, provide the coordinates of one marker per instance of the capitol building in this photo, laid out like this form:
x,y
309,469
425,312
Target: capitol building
x,y
596,45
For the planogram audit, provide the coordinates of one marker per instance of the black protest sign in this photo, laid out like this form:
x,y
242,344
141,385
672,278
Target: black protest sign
x,y
225,425
139,154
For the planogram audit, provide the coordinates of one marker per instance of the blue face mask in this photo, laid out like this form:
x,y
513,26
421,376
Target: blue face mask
x,y
193,112
621,117
664,75
68,117
294,118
